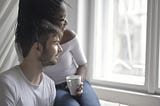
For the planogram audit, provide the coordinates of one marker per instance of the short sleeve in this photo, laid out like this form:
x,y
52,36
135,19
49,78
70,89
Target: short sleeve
x,y
7,96
78,53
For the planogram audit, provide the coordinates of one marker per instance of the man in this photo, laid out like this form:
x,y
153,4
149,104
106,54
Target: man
x,y
26,84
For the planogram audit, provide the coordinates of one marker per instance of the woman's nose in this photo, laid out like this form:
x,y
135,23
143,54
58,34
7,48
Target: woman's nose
x,y
65,22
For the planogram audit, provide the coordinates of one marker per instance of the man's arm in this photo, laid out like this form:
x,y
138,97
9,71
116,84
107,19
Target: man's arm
x,y
7,97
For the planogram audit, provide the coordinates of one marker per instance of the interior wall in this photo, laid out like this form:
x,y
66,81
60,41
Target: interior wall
x,y
72,9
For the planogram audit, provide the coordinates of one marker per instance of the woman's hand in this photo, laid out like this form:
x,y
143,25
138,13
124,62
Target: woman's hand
x,y
80,89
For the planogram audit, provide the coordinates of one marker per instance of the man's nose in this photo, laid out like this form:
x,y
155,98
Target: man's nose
x,y
60,49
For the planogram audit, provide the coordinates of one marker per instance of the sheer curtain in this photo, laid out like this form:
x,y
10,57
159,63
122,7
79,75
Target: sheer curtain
x,y
8,15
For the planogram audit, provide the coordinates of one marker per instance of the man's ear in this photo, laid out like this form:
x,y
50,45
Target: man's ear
x,y
38,47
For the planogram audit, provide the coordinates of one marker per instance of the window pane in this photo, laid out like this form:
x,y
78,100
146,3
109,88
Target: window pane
x,y
120,41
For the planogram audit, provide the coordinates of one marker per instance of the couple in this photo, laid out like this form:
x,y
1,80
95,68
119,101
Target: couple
x,y
45,49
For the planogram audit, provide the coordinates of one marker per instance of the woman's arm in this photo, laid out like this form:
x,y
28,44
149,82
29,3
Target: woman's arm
x,y
77,53
82,70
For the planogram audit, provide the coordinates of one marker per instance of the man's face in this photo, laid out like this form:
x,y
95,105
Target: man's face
x,y
52,50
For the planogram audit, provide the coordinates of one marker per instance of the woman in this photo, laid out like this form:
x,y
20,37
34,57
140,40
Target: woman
x,y
71,61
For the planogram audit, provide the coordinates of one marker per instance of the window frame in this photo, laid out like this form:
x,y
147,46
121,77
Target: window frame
x,y
152,52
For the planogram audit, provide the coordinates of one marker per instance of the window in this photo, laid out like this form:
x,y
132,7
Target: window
x,y
125,38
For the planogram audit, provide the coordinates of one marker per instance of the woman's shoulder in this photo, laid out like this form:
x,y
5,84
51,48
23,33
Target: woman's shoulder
x,y
67,36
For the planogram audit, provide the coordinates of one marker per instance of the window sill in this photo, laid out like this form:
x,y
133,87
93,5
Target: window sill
x,y
127,97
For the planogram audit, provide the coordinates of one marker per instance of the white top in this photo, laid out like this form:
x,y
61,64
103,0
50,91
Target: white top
x,y
16,90
70,58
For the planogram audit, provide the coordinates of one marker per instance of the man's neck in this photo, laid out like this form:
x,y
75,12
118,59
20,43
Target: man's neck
x,y
32,71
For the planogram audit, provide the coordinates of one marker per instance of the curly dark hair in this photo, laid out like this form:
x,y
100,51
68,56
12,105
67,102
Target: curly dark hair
x,y
30,22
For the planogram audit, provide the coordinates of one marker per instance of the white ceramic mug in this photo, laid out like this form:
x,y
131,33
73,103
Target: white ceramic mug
x,y
73,82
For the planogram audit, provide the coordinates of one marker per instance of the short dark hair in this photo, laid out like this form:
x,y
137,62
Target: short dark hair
x,y
32,32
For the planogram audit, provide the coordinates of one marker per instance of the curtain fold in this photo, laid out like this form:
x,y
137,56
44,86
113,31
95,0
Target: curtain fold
x,y
8,17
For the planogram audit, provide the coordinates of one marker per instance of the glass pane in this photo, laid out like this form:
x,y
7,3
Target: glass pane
x,y
120,41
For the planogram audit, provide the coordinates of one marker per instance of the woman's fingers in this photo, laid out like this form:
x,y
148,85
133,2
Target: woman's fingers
x,y
80,89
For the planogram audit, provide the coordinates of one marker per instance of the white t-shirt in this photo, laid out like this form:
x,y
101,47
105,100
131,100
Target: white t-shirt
x,y
70,58
16,90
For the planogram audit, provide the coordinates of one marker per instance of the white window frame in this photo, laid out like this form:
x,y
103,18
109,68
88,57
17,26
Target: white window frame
x,y
131,94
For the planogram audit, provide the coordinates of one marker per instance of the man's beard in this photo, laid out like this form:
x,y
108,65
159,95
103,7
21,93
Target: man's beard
x,y
47,63
46,59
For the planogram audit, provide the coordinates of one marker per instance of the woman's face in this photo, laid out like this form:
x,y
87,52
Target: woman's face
x,y
61,17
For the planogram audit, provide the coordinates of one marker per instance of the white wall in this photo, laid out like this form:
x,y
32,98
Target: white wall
x,y
72,14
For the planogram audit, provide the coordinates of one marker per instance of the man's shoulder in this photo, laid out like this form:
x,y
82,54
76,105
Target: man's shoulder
x,y
10,71
10,74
